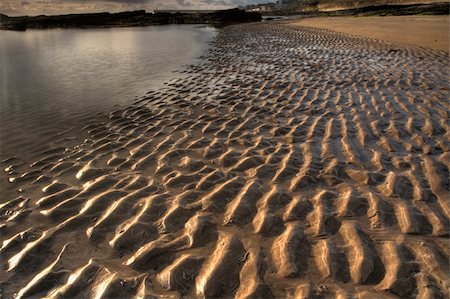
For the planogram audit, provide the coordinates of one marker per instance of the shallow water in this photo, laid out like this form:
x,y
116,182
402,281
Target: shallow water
x,y
53,80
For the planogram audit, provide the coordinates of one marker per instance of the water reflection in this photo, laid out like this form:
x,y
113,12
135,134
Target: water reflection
x,y
52,79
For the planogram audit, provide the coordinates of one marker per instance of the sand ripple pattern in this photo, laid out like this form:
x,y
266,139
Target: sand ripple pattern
x,y
291,163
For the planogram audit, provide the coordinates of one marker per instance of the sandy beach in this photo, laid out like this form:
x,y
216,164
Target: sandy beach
x,y
423,31
293,162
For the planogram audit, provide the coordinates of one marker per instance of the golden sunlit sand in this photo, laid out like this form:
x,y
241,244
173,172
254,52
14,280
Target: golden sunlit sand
x,y
292,162
424,31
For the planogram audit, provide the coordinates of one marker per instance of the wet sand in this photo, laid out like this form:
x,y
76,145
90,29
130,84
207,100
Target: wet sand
x,y
293,162
423,31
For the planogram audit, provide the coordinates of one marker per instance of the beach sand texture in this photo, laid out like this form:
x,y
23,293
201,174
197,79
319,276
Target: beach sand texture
x,y
293,162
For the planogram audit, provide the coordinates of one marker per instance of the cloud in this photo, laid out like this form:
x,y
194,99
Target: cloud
x,y
49,7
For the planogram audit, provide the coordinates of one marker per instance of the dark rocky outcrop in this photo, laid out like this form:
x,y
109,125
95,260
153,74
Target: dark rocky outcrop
x,y
361,7
130,18
395,10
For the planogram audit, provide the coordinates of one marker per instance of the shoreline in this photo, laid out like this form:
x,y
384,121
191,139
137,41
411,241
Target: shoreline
x,y
40,115
423,31
289,163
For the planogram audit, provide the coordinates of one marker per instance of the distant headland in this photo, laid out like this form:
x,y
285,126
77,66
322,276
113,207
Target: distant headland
x,y
351,7
129,18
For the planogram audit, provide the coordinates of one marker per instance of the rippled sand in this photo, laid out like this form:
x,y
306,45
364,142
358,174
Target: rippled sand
x,y
293,162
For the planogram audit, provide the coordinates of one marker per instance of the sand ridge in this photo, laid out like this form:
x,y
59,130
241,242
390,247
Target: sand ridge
x,y
292,162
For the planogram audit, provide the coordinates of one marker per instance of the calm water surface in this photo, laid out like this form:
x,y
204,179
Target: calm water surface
x,y
52,80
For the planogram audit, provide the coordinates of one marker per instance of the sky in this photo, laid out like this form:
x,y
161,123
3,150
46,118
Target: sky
x,y
51,7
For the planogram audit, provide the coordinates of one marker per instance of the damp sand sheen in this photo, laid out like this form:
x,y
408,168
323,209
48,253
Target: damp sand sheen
x,y
292,162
